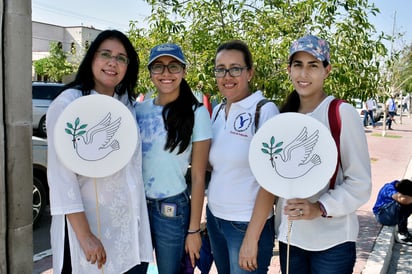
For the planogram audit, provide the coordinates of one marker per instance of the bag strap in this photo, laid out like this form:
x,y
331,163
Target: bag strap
x,y
335,128
222,105
257,112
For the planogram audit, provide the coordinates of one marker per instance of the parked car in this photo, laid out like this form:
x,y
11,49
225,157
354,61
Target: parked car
x,y
43,93
40,186
378,109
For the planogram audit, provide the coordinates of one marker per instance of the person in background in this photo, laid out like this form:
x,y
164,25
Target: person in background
x,y
369,106
110,67
239,212
391,110
393,206
176,131
325,226
406,103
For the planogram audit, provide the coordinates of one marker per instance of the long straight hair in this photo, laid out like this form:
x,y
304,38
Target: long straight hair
x,y
179,118
84,78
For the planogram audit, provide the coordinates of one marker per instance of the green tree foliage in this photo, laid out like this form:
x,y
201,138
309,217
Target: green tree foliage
x,y
268,27
55,66
404,68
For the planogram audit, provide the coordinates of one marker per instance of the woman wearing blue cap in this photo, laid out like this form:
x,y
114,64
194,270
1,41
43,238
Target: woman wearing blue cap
x,y
325,226
175,130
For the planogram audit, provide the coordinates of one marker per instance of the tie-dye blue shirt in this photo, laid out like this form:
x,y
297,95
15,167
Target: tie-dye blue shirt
x,y
164,171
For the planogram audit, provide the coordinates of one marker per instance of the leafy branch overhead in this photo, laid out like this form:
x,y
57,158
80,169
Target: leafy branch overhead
x,y
268,27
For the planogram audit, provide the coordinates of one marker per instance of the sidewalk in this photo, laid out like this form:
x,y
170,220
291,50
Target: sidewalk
x,y
390,159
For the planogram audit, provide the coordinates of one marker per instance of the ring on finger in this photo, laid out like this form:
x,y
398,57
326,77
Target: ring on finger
x,y
300,212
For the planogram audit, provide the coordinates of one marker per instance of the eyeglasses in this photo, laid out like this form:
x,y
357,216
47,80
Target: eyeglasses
x,y
106,55
159,68
234,71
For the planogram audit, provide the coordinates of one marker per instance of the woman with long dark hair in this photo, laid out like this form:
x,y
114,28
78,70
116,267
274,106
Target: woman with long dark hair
x,y
325,226
176,132
110,67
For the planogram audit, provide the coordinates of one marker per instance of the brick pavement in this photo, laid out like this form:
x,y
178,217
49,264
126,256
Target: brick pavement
x,y
390,156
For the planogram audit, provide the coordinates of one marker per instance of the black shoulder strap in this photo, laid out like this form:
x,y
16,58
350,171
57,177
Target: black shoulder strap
x,y
222,105
257,112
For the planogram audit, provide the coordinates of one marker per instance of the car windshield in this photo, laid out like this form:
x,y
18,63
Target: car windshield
x,y
48,92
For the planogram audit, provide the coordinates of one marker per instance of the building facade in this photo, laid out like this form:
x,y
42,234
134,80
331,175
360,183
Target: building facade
x,y
74,40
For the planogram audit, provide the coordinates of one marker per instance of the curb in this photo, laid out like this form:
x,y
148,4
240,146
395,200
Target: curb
x,y
380,257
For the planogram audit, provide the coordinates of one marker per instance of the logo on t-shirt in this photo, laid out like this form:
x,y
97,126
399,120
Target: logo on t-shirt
x,y
242,122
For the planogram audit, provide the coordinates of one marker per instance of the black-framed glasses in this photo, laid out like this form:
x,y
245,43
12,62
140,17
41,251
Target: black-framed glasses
x,y
106,55
233,71
173,68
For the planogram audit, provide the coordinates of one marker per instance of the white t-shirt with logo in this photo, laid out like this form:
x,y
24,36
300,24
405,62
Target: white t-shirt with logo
x,y
233,188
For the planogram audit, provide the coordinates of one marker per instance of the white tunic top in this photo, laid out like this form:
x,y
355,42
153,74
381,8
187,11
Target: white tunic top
x,y
125,231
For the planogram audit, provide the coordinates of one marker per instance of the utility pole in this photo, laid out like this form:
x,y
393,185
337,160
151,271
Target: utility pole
x,y
16,181
392,89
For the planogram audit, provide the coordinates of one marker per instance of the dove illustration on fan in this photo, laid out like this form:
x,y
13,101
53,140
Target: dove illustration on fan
x,y
302,155
95,135
292,161
97,142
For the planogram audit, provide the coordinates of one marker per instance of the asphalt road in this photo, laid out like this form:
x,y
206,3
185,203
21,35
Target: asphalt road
x,y
41,237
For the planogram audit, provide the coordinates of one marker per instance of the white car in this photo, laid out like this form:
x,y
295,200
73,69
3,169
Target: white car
x,y
43,93
40,186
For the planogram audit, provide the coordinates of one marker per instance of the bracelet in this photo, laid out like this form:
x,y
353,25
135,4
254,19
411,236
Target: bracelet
x,y
323,210
193,231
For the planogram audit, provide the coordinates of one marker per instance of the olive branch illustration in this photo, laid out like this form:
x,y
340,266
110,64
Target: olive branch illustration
x,y
271,149
75,130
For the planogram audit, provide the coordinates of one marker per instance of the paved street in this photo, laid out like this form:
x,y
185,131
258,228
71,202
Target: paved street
x,y
401,259
390,157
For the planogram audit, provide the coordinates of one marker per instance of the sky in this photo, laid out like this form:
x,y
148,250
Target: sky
x,y
101,14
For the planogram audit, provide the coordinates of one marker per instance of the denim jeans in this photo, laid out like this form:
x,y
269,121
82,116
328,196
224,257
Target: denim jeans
x,y
395,214
365,118
339,259
391,115
226,238
169,230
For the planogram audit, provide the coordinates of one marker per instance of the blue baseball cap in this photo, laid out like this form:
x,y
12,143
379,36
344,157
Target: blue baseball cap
x,y
168,49
313,45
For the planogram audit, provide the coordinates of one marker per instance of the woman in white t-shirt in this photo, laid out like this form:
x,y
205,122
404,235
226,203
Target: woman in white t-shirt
x,y
239,212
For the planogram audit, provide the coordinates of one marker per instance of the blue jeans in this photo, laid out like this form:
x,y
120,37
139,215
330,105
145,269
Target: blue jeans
x,y
226,238
394,214
365,117
339,259
391,115
169,222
